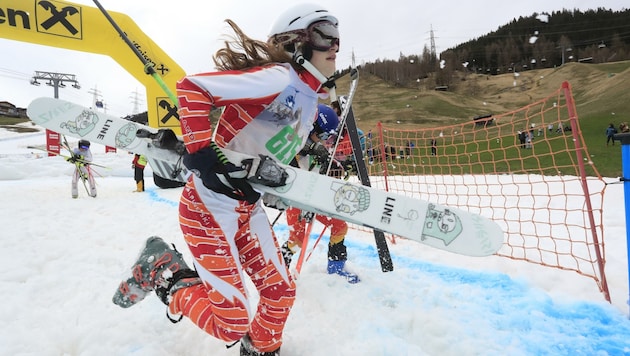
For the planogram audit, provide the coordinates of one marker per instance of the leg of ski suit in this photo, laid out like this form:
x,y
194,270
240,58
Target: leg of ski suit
x,y
138,176
227,238
75,180
338,230
81,171
90,179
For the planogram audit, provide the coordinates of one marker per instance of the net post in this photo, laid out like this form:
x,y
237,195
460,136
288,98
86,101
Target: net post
x,y
624,138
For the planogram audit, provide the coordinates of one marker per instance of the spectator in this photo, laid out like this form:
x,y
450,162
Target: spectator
x,y
138,164
409,149
560,128
522,138
610,133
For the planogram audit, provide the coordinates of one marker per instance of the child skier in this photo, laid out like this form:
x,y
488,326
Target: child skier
x,y
81,157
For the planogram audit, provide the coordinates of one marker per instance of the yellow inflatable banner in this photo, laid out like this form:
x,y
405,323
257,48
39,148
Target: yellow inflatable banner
x,y
83,28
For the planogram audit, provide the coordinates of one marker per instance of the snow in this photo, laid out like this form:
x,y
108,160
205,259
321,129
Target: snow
x,y
62,259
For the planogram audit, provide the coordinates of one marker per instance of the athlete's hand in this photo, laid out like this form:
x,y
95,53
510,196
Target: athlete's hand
x,y
319,151
221,177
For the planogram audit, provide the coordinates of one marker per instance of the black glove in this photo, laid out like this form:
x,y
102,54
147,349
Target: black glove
x,y
319,151
273,201
349,165
73,159
221,177
306,216
166,139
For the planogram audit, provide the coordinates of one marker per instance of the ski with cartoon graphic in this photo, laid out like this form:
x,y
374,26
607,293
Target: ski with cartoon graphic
x,y
347,120
445,228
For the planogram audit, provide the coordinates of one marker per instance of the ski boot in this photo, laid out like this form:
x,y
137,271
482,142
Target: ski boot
x,y
338,267
159,267
139,187
247,349
337,256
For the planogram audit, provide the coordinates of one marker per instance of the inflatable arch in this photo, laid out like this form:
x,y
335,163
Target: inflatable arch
x,y
82,28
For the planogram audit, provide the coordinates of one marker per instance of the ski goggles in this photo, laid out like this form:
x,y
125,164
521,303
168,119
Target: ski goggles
x,y
83,147
323,35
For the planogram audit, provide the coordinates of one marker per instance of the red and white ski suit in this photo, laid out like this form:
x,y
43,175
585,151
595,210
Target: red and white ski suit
x,y
268,110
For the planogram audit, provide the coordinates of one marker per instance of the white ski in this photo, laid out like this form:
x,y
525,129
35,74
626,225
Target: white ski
x,y
438,226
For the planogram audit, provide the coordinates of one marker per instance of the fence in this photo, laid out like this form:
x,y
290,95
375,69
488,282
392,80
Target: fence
x,y
527,169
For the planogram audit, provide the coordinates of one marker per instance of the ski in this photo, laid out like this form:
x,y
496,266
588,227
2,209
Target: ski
x,y
442,227
66,157
347,119
382,249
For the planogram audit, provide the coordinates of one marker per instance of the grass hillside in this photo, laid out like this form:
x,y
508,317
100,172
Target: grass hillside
x,y
600,92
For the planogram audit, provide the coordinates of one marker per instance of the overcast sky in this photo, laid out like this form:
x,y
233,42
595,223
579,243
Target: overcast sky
x,y
190,31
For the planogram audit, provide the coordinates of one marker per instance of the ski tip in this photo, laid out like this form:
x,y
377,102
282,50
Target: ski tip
x,y
481,237
490,237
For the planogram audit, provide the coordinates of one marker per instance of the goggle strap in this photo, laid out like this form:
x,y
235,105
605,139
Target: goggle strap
x,y
333,94
298,57
326,82
290,37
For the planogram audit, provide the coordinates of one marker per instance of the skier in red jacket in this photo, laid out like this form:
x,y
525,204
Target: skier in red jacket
x,y
269,91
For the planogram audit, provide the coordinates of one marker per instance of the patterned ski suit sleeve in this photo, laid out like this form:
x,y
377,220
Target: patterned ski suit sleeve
x,y
243,93
87,156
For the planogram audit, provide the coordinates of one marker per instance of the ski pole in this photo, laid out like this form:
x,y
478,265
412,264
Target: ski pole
x,y
148,67
276,219
64,156
307,233
316,242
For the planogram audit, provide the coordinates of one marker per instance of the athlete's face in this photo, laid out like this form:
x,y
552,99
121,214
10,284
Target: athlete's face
x,y
325,61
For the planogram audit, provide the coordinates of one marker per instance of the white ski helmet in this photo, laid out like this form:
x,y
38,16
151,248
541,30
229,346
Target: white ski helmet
x,y
296,25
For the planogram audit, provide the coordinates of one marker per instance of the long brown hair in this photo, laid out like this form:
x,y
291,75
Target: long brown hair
x,y
242,52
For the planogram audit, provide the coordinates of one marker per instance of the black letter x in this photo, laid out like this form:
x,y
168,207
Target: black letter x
x,y
58,16
172,111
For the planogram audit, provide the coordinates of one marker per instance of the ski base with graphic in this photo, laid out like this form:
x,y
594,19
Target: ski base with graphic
x,y
438,226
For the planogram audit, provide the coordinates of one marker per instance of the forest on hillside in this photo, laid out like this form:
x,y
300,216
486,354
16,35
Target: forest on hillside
x,y
533,42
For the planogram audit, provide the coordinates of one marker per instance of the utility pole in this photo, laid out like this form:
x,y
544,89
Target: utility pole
x,y
55,80
433,50
135,100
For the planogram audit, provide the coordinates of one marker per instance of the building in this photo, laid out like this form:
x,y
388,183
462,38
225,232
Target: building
x,y
8,109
